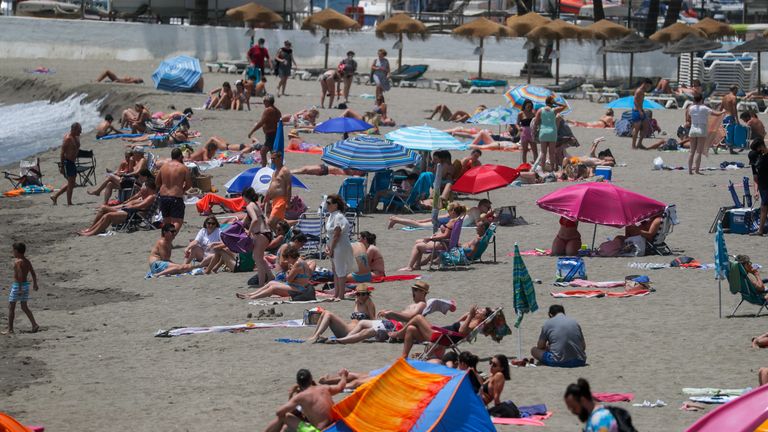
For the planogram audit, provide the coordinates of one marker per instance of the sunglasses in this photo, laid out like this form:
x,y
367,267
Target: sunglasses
x,y
363,294
493,364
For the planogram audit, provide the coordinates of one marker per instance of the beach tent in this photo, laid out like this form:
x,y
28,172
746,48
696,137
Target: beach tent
x,y
413,396
746,413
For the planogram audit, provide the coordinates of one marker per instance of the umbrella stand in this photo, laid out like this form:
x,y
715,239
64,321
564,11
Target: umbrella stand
x,y
631,66
327,45
528,65
605,64
720,297
480,65
557,62
519,343
594,234
400,51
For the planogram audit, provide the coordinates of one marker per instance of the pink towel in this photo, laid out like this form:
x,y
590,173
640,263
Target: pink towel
x,y
636,292
580,283
535,420
613,397
533,252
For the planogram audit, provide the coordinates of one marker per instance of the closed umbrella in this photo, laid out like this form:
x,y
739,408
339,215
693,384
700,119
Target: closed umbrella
x,y
537,95
485,178
370,154
714,29
628,102
402,24
722,265
556,31
481,28
177,74
690,44
329,19
757,45
520,26
425,138
257,178
630,44
342,125
524,296
605,30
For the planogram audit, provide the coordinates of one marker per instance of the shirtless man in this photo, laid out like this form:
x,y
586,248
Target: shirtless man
x,y
756,127
105,127
729,105
324,170
204,153
69,150
315,402
160,257
114,78
173,180
638,115
279,192
268,123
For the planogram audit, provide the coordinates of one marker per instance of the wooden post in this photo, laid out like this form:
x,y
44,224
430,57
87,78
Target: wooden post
x,y
327,44
605,64
480,65
400,51
557,61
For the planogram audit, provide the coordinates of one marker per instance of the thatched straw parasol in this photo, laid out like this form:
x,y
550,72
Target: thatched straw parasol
x,y
690,44
401,24
556,31
631,44
605,30
757,45
714,29
255,15
521,25
481,28
674,33
329,19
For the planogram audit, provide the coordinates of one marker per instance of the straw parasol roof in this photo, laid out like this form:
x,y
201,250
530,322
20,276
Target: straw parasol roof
x,y
482,28
714,29
674,33
401,24
254,14
631,44
521,25
758,44
692,43
608,30
329,19
558,30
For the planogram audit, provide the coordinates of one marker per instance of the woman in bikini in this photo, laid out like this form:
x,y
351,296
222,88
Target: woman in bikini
x,y
221,98
491,389
364,310
259,232
241,97
459,116
524,119
223,145
435,242
567,242
367,257
297,284
485,140
605,122
328,81
418,329
303,119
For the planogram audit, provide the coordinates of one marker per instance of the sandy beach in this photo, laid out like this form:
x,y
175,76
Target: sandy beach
x,y
96,365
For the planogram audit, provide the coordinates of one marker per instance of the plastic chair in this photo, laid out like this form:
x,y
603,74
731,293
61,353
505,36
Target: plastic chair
x,y
382,181
659,246
451,243
311,225
482,245
739,283
352,190
420,190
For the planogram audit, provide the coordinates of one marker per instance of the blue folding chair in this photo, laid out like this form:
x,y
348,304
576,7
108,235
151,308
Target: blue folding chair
x,y
420,191
352,190
382,181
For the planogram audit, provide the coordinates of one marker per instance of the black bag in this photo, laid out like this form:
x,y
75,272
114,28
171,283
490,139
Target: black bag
x,y
623,419
506,409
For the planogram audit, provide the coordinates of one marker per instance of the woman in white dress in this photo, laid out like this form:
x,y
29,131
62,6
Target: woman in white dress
x,y
339,248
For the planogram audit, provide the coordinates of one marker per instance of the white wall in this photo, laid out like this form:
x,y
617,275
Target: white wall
x,y
22,37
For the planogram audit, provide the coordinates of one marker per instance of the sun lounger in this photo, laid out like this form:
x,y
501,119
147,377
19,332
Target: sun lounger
x,y
447,86
408,73
236,67
608,94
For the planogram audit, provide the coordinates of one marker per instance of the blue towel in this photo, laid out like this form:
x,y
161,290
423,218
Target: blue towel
x,y
531,410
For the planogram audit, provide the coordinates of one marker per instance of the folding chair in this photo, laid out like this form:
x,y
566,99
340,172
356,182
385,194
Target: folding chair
x,y
86,168
420,190
354,222
482,245
382,181
311,225
29,174
659,246
143,220
443,338
450,244
352,190
739,283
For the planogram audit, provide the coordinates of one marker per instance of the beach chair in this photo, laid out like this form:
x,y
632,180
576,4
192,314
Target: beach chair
x,y
420,191
493,325
354,222
311,225
659,246
454,254
382,181
482,245
30,174
142,221
352,190
408,73
739,283
567,88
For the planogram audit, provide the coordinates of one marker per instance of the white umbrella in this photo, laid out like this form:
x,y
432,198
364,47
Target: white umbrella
x,y
257,178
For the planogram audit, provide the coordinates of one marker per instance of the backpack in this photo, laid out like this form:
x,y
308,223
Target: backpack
x,y
623,419
624,128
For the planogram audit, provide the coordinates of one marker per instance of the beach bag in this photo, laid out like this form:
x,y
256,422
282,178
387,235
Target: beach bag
x,y
245,263
312,316
570,268
506,409
623,419
624,125
454,257
670,145
253,73
236,238
633,246
295,208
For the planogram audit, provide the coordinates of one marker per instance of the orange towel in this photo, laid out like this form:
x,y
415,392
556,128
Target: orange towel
x,y
205,205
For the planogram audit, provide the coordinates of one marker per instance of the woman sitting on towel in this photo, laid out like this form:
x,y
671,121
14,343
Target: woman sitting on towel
x,y
369,260
494,385
418,329
435,242
364,310
201,248
297,280
567,242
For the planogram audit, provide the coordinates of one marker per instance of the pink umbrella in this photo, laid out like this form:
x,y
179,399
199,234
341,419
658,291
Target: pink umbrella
x,y
601,203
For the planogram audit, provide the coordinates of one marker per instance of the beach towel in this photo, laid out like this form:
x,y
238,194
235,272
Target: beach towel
x,y
711,391
439,305
121,135
532,410
206,203
27,190
394,278
714,400
613,397
286,300
637,292
193,272
533,252
535,420
304,148
184,331
580,283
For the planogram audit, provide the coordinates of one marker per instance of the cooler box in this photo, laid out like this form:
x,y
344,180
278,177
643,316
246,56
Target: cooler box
x,y
742,220
737,135
605,171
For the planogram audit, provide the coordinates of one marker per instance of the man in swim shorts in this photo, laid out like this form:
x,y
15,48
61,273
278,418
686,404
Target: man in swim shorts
x,y
268,123
69,151
160,263
279,192
173,179
638,115
315,402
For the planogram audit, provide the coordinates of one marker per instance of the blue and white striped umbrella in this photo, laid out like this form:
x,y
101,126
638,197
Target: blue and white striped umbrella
x,y
259,179
368,154
498,116
177,74
425,138
538,95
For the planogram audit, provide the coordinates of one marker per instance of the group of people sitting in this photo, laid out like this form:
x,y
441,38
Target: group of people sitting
x,y
237,99
567,241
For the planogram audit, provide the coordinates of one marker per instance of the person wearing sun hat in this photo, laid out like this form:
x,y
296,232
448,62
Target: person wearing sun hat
x,y
364,310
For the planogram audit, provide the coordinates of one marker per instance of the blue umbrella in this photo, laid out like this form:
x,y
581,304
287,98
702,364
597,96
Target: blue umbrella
x,y
259,179
425,138
368,154
537,95
628,102
342,125
279,145
495,116
177,74
722,264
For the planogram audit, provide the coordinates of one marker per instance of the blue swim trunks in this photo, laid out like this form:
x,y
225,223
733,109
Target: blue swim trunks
x,y
19,292
548,360
637,116
158,266
365,277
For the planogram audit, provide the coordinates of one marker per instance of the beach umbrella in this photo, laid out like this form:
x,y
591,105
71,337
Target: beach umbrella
x,y
342,125
714,29
556,31
425,138
329,19
520,26
690,44
537,95
366,153
279,145
674,33
481,28
630,44
402,24
628,102
177,74
255,15
259,179
757,45
498,116
523,294
605,30
485,178
722,265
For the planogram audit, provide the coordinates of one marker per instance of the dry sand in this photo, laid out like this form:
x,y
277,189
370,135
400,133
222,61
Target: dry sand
x,y
96,365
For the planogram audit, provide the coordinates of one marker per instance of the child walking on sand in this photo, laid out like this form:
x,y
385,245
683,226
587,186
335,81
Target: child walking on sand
x,y
20,288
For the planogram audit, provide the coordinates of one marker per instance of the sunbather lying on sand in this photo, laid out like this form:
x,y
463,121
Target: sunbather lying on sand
x,y
324,170
297,280
594,159
444,113
108,74
606,121
418,329
222,144
179,136
364,310
303,119
354,379
485,140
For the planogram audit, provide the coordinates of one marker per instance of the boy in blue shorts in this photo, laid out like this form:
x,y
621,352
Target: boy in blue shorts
x,y
20,288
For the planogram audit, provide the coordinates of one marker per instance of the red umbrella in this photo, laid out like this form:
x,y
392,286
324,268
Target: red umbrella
x,y
485,178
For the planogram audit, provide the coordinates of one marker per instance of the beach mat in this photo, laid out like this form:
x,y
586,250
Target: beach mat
x,y
121,135
638,292
613,397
